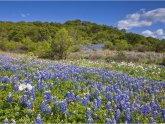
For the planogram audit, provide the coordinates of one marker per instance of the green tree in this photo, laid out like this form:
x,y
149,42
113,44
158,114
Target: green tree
x,y
61,44
121,44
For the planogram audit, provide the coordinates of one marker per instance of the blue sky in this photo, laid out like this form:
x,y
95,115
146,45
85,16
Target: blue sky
x,y
147,18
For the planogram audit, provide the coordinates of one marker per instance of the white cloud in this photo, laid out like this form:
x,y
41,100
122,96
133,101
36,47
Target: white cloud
x,y
159,33
142,18
24,15
148,33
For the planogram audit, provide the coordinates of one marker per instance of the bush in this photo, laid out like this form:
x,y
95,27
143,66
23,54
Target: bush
x,y
108,44
121,44
161,46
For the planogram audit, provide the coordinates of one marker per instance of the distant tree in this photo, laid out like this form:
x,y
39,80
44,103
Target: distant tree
x,y
61,44
108,44
161,46
121,44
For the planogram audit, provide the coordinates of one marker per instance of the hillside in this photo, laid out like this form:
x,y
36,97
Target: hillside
x,y
36,37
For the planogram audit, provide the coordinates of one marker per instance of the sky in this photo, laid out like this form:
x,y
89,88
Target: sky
x,y
142,17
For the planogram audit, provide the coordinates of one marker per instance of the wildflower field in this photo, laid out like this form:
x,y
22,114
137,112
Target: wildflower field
x,y
43,91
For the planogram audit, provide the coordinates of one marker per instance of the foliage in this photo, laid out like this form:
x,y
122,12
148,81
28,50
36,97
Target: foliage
x,y
61,44
121,44
108,44
80,31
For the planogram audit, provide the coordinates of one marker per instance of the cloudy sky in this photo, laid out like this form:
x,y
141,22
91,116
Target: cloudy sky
x,y
143,17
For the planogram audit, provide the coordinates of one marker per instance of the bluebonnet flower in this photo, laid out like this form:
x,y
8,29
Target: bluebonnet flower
x,y
108,106
84,101
63,106
78,98
108,121
146,109
38,119
128,115
96,93
99,101
99,85
6,79
30,104
48,95
95,105
70,96
25,101
89,113
88,96
49,110
41,86
0,79
6,121
43,106
152,121
95,116
155,114
10,98
113,120
118,115
33,94
90,121
109,96
115,98
163,114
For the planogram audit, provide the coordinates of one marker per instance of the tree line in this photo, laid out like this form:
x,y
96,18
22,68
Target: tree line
x,y
56,40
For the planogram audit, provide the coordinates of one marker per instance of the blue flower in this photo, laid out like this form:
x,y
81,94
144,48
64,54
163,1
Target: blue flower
x,y
25,101
70,96
90,121
6,121
155,114
99,102
89,113
163,114
10,98
6,79
99,85
85,101
88,96
108,105
96,93
48,95
95,116
63,106
152,121
118,115
78,98
128,115
108,96
95,105
146,109
108,121
38,119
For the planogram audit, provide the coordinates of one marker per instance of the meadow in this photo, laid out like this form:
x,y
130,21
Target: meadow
x,y
80,91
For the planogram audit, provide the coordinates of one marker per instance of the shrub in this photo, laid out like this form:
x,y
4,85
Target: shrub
x,y
121,44
108,44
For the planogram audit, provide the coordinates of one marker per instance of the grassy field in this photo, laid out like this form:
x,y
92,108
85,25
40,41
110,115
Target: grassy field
x,y
39,91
